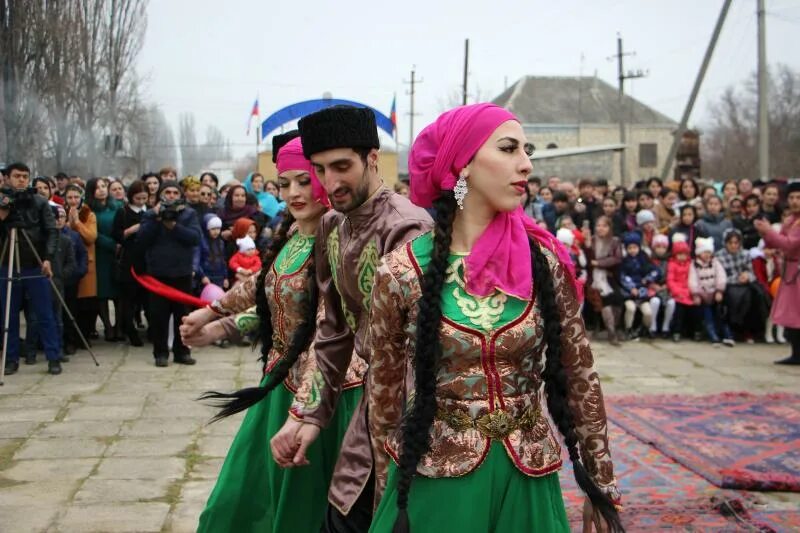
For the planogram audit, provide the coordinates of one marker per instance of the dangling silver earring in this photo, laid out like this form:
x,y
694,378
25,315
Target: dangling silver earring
x,y
460,191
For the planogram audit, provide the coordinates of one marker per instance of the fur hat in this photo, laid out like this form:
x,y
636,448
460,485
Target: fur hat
x,y
565,236
245,244
660,240
703,245
644,216
280,140
213,222
339,126
632,237
678,237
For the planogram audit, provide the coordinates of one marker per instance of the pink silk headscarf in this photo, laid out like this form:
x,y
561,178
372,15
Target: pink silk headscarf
x,y
290,157
501,258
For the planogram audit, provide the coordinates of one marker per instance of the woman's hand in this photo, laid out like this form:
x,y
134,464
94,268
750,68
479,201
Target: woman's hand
x,y
284,443
195,320
206,335
592,518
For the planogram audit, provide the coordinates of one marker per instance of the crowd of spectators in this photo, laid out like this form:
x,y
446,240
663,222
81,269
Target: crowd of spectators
x,y
659,260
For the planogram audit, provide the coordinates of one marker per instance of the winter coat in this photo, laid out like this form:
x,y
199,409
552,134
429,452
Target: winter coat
x,y
637,272
785,307
169,252
750,236
86,226
251,263
212,261
81,257
664,217
678,280
131,254
106,249
63,262
714,226
623,223
706,278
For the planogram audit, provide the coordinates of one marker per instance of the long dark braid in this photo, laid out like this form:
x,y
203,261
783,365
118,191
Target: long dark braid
x,y
240,400
418,421
556,387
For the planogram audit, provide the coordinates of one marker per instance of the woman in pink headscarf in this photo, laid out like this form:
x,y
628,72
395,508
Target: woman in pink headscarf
x,y
253,493
476,335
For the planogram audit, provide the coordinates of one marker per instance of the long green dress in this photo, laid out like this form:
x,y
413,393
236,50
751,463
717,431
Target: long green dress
x,y
254,494
106,249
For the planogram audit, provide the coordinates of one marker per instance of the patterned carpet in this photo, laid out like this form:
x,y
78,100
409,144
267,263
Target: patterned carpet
x,y
745,441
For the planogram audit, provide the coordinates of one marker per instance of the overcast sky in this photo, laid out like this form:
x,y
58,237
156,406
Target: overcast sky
x,y
213,58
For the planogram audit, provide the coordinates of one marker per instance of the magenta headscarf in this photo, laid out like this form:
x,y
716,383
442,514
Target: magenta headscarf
x,y
501,258
290,157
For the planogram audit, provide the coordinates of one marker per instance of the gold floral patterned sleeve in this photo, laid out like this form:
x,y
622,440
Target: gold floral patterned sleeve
x,y
240,298
386,377
585,397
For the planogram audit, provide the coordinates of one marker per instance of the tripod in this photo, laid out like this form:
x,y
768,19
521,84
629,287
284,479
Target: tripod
x,y
11,247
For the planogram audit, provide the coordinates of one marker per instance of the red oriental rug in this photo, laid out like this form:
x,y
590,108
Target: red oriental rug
x,y
735,440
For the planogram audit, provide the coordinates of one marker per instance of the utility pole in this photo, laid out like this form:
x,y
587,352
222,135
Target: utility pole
x,y
763,116
621,77
413,84
695,90
466,72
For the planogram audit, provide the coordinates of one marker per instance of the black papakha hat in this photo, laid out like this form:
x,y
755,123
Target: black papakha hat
x,y
794,186
280,140
340,126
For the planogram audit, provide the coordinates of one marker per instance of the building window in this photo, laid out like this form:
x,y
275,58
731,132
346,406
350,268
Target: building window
x,y
648,155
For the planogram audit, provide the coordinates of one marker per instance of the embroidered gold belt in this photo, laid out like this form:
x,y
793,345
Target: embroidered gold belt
x,y
497,424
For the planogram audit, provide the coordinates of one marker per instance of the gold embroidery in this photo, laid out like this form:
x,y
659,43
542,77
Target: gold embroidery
x,y
297,246
247,321
314,395
367,263
483,312
333,261
496,425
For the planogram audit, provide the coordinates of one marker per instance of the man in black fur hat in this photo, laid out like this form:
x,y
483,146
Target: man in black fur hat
x,y
368,220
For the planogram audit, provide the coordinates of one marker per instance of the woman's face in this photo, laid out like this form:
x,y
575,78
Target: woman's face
x,y
770,196
669,199
117,191
239,198
298,193
687,217
752,207
654,188
43,190
205,194
602,229
497,176
645,202
735,207
618,195
273,190
630,205
730,190
73,199
152,185
192,194
688,189
713,206
546,195
609,207
733,244
101,190
257,183
708,192
140,199
208,180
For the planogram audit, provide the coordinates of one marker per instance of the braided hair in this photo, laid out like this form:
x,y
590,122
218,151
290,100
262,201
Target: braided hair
x,y
417,423
235,402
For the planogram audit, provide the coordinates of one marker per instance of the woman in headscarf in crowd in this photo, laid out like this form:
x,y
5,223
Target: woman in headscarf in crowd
x,y
485,310
254,184
787,240
191,186
82,220
236,207
126,226
253,493
604,252
105,209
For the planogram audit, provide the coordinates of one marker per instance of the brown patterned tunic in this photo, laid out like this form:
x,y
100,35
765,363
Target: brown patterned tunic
x,y
489,386
348,249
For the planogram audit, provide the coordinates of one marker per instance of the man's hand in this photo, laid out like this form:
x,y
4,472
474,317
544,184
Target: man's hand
x,y
290,444
191,323
208,334
205,280
718,296
47,269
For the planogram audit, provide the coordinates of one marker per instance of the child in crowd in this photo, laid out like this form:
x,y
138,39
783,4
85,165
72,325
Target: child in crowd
x,y
660,294
767,264
636,275
707,282
646,224
568,239
245,262
678,284
213,264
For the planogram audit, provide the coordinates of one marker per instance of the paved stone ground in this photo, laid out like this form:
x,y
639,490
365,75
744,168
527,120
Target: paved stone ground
x,y
123,446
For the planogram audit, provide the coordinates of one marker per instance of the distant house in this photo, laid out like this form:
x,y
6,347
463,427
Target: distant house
x,y
565,112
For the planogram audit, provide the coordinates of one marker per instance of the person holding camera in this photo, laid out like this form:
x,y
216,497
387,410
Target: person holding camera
x,y
169,234
30,214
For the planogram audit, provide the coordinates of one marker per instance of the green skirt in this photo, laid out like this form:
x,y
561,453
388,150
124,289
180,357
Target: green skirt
x,y
253,493
495,497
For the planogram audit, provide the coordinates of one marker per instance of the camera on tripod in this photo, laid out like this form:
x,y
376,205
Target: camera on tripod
x,y
13,200
170,210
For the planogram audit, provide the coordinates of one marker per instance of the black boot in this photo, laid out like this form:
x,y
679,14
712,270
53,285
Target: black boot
x,y
184,359
54,367
11,367
791,360
30,358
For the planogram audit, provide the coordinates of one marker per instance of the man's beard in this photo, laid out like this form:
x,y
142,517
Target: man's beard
x,y
358,195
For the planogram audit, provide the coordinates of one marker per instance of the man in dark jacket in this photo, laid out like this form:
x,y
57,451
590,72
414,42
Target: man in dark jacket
x,y
169,234
22,208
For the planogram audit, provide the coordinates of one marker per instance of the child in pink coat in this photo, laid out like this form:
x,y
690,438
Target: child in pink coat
x,y
707,281
678,268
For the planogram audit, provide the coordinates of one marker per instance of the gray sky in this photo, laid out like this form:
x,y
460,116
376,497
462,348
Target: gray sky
x,y
212,58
